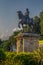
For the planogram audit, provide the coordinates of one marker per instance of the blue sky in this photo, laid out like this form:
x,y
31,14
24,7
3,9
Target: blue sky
x,y
8,12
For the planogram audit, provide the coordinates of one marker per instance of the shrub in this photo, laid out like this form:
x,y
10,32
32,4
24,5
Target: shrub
x,y
2,57
26,58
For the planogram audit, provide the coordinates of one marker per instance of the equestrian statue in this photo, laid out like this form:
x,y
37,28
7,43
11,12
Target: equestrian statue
x,y
25,20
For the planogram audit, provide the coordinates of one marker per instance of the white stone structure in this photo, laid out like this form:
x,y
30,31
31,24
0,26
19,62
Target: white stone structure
x,y
27,42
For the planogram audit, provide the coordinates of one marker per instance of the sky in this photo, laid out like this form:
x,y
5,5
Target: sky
x,y
8,13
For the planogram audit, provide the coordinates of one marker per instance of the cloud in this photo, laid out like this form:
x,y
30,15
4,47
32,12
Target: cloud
x,y
5,35
2,36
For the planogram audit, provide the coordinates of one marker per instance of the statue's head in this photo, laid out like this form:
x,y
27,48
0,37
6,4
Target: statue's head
x,y
27,11
20,14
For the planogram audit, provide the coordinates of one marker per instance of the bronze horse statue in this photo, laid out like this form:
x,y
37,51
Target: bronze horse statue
x,y
24,19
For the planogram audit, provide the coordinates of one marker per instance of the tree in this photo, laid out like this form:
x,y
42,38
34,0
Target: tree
x,y
6,45
41,23
2,55
0,41
37,20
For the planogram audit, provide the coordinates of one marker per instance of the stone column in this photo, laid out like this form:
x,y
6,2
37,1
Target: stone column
x,y
17,45
23,44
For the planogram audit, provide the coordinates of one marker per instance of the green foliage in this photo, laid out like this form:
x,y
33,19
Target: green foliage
x,y
6,45
2,55
26,58
41,22
36,18
0,41
37,26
